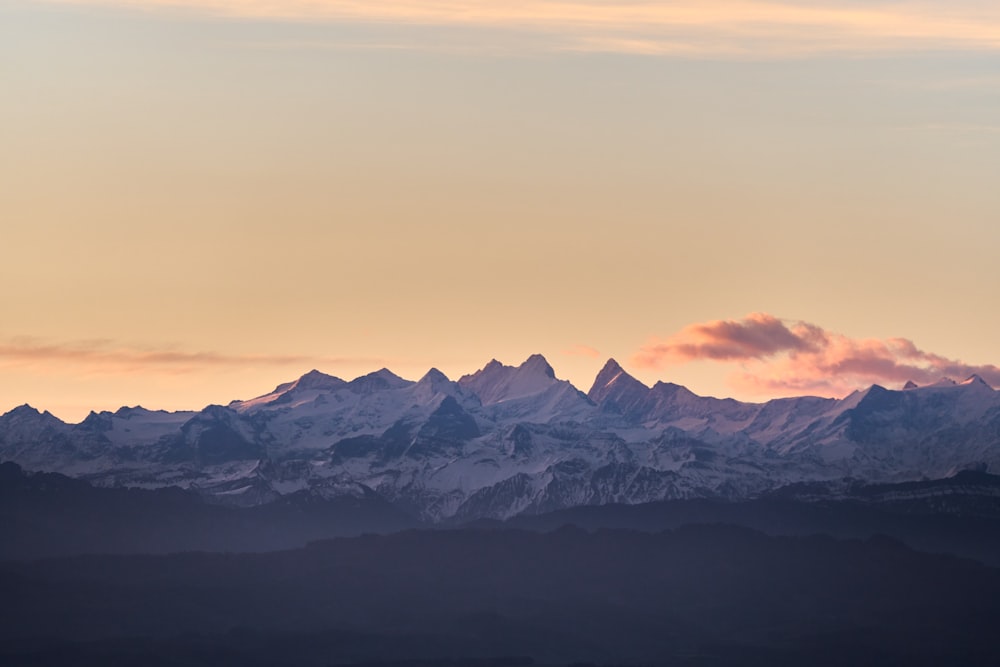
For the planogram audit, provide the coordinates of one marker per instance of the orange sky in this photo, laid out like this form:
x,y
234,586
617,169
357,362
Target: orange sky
x,y
203,199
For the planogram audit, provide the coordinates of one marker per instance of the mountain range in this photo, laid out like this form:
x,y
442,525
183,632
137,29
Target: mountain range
x,y
507,441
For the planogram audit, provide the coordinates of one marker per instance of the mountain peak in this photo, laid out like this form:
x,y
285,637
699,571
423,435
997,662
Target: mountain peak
x,y
381,379
24,409
97,421
126,412
612,366
538,364
976,379
612,371
26,413
433,377
317,380
672,389
495,382
613,379
910,384
385,374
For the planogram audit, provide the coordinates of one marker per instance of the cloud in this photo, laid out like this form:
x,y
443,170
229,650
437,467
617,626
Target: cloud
x,y
757,336
582,351
782,357
757,28
106,356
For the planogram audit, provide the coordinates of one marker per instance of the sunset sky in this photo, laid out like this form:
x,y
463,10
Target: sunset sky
x,y
201,199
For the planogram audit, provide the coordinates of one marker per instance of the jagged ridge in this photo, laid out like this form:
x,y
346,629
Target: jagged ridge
x,y
515,439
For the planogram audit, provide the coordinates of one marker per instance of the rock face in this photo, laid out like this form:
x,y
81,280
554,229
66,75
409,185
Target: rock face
x,y
509,440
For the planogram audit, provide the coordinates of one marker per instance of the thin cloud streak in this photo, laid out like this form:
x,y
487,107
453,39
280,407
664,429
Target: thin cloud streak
x,y
782,357
580,350
734,28
106,356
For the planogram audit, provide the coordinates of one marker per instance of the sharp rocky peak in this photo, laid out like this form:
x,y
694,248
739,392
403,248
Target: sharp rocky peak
x,y
536,363
27,412
613,379
611,366
977,380
23,410
433,377
496,382
100,421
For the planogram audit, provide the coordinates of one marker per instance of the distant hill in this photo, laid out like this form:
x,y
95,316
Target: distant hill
x,y
709,595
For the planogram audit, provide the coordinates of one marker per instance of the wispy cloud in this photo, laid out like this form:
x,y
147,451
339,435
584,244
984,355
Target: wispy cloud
x,y
756,28
108,356
779,356
582,351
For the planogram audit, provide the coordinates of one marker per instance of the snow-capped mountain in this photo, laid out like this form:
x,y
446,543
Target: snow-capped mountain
x,y
507,440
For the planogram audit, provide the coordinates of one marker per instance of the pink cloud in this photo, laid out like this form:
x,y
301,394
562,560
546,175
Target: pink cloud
x,y
756,336
786,357
582,351
728,28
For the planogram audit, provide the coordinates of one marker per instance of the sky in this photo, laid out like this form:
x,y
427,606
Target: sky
x,y
201,199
